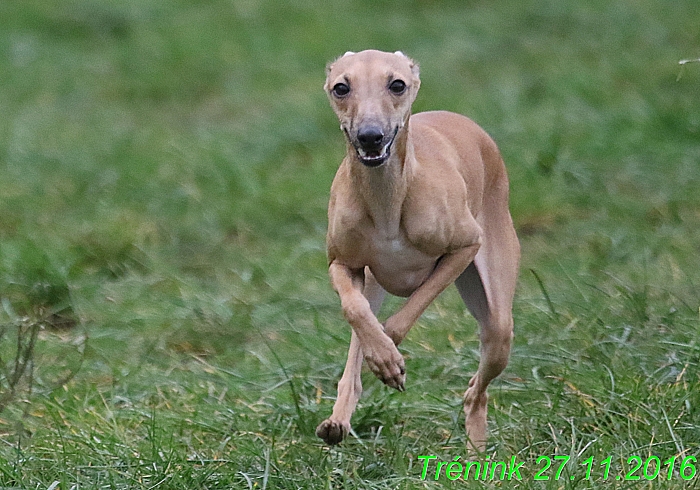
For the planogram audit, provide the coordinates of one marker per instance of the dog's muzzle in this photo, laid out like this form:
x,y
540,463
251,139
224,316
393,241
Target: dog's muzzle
x,y
372,145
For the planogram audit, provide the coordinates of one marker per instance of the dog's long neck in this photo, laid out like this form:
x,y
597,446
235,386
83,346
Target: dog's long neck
x,y
384,188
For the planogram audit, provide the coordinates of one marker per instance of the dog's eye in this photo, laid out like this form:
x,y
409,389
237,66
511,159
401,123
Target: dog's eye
x,y
397,87
340,90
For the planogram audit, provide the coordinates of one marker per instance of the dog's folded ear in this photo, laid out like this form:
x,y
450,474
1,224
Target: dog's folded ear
x,y
415,69
329,66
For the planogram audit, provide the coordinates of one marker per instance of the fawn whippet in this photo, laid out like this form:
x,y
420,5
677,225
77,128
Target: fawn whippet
x,y
419,202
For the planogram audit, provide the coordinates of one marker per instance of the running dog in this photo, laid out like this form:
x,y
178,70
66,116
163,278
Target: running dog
x,y
419,202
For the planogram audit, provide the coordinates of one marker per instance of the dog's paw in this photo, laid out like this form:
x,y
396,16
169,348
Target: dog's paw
x,y
475,409
388,365
332,432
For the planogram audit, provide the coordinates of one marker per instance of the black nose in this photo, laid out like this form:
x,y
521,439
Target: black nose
x,y
370,137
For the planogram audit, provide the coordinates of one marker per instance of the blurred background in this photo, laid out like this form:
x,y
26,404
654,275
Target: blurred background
x,y
164,175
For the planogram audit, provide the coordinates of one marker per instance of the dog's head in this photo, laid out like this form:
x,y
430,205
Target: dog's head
x,y
372,93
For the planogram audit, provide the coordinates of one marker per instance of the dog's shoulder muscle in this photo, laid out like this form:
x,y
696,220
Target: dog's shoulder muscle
x,y
430,221
346,218
444,180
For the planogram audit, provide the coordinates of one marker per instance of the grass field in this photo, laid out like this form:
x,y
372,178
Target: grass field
x,y
164,174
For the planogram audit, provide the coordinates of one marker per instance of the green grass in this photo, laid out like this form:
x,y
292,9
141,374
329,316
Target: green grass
x,y
164,173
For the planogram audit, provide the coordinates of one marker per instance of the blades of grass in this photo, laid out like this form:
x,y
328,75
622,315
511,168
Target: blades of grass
x,y
682,64
247,479
678,442
357,438
301,421
266,474
550,304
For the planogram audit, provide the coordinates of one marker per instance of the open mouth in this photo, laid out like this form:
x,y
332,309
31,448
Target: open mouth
x,y
374,158
371,157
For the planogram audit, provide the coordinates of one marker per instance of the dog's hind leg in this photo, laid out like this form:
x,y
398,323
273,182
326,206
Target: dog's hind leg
x,y
334,429
487,287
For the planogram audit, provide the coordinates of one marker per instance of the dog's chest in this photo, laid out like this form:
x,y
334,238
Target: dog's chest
x,y
395,248
398,266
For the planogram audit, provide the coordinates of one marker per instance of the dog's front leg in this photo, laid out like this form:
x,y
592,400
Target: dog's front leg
x,y
382,356
447,270
336,427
